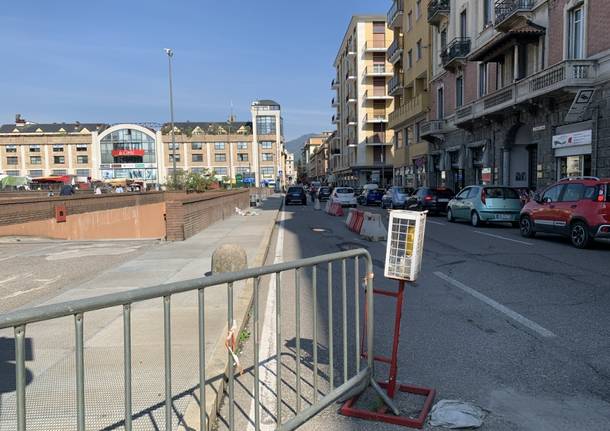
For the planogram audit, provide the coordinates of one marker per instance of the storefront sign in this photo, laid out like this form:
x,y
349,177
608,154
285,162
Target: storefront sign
x,y
128,166
581,102
584,137
486,175
539,128
118,153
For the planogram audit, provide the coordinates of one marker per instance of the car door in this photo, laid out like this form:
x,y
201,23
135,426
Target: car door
x,y
546,213
458,206
569,200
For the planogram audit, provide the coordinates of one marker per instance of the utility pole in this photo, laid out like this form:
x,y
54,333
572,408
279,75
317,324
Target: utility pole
x,y
170,55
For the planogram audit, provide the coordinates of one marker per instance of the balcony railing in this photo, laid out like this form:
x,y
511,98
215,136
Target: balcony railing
x,y
408,110
350,74
377,94
436,10
395,13
432,127
334,102
375,45
395,50
336,118
456,51
378,70
350,98
564,76
376,117
395,85
334,83
507,9
379,138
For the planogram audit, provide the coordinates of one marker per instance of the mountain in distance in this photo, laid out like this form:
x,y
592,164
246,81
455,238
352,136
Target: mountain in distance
x,y
295,145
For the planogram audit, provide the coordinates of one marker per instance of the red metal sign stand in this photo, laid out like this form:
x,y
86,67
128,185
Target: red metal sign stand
x,y
391,386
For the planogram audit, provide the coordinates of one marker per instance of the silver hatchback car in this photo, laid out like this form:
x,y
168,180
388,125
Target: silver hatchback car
x,y
480,204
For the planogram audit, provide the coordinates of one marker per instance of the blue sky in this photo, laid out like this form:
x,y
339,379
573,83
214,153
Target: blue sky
x,y
104,61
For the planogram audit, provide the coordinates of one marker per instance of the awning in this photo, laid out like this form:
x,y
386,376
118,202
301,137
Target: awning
x,y
525,32
10,181
52,179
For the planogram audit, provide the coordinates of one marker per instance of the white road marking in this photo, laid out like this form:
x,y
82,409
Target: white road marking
x,y
267,346
45,282
436,222
6,280
497,306
502,237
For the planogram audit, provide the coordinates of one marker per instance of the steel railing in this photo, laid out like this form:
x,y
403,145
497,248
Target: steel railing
x,y
18,320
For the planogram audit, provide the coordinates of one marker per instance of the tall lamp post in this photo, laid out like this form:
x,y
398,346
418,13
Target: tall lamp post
x,y
170,55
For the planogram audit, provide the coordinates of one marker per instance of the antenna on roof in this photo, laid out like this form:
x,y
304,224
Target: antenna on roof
x,y
231,116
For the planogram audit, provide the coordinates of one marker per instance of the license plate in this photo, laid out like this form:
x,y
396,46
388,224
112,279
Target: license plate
x,y
504,217
442,200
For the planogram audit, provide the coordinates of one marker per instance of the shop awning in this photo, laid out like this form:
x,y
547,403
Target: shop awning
x,y
53,179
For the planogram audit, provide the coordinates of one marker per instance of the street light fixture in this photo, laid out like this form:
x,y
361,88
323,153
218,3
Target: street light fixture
x,y
170,55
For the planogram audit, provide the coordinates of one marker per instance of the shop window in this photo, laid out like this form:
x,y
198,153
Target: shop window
x,y
574,166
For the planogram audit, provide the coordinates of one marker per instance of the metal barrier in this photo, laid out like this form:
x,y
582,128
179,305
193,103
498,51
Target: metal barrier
x,y
363,377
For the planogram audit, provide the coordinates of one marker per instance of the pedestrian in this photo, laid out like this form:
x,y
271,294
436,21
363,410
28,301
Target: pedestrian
x,y
98,190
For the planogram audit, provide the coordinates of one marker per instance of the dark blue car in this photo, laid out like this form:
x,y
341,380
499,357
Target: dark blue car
x,y
371,197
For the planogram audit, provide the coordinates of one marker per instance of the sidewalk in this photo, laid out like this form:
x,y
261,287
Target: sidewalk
x,y
51,398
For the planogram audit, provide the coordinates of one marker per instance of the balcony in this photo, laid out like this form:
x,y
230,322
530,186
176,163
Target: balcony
x,y
375,46
378,70
395,85
455,53
379,138
508,12
334,102
337,118
351,50
334,84
395,14
376,117
394,54
350,98
350,75
377,95
434,127
410,109
437,9
565,76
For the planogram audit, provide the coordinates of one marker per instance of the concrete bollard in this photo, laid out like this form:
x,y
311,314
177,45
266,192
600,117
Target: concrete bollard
x,y
316,205
229,258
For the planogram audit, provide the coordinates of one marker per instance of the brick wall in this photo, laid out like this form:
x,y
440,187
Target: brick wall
x,y
598,24
555,31
187,215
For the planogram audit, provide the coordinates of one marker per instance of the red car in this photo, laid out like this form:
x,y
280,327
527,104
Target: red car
x,y
576,207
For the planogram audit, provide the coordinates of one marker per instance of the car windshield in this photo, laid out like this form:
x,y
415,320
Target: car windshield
x,y
344,190
294,190
501,193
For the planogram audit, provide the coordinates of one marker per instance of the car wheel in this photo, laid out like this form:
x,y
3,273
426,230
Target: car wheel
x,y
579,234
475,220
450,218
526,228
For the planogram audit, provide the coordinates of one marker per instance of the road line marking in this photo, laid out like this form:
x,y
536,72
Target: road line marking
x,y
437,222
502,237
6,280
23,292
496,305
267,347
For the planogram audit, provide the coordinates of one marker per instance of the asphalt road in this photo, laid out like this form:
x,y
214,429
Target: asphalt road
x,y
516,326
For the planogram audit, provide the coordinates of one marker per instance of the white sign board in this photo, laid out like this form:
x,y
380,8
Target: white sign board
x,y
573,139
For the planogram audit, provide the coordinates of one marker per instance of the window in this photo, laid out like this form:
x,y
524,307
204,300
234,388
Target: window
x,y
36,173
220,171
576,33
177,158
482,79
409,20
197,146
34,148
82,159
59,160
267,157
58,148
463,24
36,160
172,146
379,27
443,39
220,157
418,49
417,9
267,145
198,170
440,104
242,157
82,172
242,145
552,194
464,193
197,158
267,171
241,170
12,161
81,147
59,172
416,131
12,173
265,125
409,59
573,192
488,8
219,146
459,91
11,148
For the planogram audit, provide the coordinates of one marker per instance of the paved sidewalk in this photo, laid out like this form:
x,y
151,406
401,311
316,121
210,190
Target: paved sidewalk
x,y
51,397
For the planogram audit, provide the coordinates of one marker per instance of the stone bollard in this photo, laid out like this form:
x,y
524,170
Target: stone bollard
x,y
229,258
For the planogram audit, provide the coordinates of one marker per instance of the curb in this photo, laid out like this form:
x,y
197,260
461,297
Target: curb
x,y
217,365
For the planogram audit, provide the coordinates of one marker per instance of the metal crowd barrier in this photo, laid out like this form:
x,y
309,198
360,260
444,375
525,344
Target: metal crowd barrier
x,y
19,320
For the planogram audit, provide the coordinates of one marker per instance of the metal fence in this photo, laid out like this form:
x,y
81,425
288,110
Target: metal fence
x,y
362,377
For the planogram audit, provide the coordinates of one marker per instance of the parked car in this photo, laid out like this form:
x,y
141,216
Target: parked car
x,y
296,194
432,199
324,193
344,196
370,197
396,197
577,207
479,204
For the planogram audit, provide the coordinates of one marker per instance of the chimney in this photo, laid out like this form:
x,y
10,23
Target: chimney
x,y
19,121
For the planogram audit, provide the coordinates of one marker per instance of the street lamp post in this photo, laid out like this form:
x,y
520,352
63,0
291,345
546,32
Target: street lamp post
x,y
170,55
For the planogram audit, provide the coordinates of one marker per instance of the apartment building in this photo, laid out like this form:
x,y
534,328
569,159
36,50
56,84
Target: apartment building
x,y
361,151
100,151
319,161
519,91
409,54
291,170
309,155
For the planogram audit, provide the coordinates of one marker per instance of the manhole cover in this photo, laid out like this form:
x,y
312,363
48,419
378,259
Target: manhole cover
x,y
318,229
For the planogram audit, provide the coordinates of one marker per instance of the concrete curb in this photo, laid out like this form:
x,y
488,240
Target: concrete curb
x,y
217,367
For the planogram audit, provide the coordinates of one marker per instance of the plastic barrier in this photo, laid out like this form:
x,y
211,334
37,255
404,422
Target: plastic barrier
x,y
316,205
350,218
372,228
327,207
336,209
358,220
